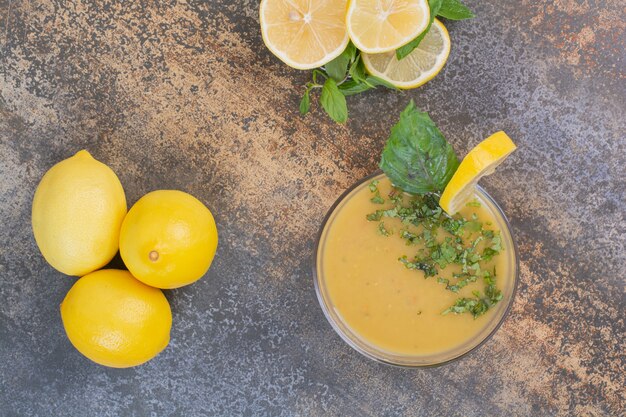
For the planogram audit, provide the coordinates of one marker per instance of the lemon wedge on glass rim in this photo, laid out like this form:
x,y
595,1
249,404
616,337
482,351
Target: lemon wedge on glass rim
x,y
480,161
418,67
304,34
377,26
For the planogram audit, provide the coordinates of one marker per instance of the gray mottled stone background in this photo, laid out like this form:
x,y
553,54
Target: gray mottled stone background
x,y
184,95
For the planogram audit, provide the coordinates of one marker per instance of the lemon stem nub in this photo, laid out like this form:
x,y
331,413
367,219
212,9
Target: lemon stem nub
x,y
154,256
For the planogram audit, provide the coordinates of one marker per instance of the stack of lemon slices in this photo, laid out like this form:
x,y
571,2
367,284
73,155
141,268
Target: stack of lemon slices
x,y
307,34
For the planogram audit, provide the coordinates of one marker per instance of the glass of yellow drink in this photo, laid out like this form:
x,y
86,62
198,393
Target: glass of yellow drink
x,y
391,313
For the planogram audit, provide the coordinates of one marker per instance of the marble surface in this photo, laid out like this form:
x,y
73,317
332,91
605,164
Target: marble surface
x,y
183,94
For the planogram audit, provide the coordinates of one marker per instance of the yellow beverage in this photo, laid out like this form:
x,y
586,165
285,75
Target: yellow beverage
x,y
393,313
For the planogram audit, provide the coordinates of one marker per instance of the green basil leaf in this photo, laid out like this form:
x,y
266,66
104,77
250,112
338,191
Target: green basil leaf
x,y
337,68
334,102
454,10
305,103
417,158
403,51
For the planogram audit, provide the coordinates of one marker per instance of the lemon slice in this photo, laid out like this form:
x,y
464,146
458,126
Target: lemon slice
x,y
480,161
417,68
377,26
304,34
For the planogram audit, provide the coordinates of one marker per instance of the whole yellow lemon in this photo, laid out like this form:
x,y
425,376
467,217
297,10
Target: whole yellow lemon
x,y
115,320
78,210
168,239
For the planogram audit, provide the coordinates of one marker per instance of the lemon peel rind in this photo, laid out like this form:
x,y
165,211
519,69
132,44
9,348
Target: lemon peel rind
x,y
482,160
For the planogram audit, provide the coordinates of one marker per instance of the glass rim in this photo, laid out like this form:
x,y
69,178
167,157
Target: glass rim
x,y
369,355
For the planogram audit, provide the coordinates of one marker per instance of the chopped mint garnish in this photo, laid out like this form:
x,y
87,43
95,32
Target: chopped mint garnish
x,y
446,241
377,199
383,231
479,304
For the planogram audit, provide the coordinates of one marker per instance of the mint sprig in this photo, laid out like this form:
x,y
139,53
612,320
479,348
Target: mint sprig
x,y
342,77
